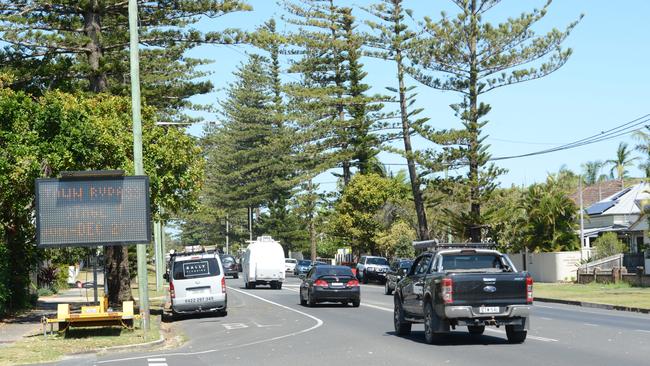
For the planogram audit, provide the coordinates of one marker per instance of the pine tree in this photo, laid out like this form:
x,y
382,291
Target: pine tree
x,y
389,43
85,44
469,55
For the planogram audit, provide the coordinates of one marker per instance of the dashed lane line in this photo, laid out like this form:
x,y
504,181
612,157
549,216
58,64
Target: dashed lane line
x,y
319,323
542,339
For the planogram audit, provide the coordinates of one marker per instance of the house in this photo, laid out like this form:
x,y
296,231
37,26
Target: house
x,y
622,213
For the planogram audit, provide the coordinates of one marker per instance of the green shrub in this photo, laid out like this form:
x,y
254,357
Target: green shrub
x,y
61,281
608,245
45,291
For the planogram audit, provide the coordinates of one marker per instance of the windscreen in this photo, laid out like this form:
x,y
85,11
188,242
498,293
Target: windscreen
x,y
304,263
452,262
378,261
405,264
227,260
195,268
334,271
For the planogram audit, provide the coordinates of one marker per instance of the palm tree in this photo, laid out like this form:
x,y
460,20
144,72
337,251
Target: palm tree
x,y
591,171
622,161
644,148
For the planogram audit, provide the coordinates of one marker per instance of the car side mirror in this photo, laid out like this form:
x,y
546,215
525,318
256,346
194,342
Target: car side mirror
x,y
166,276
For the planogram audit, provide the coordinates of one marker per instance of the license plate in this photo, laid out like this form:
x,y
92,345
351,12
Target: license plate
x,y
337,284
199,299
488,309
200,291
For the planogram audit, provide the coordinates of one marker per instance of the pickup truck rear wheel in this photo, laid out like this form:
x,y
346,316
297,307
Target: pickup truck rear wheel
x,y
476,330
431,321
515,334
365,277
402,327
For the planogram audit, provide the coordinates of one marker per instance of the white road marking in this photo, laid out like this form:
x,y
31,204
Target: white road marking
x,y
590,324
377,307
231,326
543,339
156,359
158,364
318,324
545,318
641,330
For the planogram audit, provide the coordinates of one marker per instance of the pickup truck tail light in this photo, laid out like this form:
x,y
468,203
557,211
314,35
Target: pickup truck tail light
x,y
447,290
223,284
321,283
529,290
172,294
353,283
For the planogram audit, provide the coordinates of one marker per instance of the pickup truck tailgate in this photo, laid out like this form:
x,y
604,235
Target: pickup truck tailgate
x,y
478,289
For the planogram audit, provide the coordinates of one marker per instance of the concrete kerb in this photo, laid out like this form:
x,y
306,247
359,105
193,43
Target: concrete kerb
x,y
594,305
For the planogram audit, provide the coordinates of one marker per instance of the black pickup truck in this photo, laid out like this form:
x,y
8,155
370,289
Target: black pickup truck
x,y
464,287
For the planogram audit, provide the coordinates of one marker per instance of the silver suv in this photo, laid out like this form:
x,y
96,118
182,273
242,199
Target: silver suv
x,y
372,268
197,283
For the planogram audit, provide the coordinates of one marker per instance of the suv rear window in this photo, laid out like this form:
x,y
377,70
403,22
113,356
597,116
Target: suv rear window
x,y
196,268
451,262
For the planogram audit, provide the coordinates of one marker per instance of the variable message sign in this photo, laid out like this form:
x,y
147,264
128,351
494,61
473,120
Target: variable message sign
x,y
93,211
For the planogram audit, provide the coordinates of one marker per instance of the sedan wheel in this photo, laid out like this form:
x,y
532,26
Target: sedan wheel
x,y
310,300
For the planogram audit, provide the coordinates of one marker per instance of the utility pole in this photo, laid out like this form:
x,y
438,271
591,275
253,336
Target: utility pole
x,y
137,154
582,222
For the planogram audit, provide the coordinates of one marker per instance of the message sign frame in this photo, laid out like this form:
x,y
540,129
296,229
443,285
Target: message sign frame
x,y
95,176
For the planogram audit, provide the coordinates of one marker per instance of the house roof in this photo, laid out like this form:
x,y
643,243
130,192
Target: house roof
x,y
623,202
596,192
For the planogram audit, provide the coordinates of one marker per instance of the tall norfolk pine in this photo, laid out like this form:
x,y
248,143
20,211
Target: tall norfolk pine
x,y
471,56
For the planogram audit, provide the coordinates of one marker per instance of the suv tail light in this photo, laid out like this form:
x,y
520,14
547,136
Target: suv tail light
x,y
447,290
321,283
223,284
172,294
352,283
529,290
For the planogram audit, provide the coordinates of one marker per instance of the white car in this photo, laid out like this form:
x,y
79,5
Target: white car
x,y
290,264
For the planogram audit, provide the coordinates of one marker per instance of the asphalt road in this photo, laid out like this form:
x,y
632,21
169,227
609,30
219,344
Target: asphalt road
x,y
269,327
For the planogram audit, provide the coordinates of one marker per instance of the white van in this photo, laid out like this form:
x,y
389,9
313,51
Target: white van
x,y
196,283
263,263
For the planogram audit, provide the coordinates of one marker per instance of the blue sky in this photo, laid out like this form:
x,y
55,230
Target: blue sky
x,y
604,84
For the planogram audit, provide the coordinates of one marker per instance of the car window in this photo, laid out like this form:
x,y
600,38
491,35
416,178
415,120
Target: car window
x,y
310,273
362,260
377,261
333,271
451,262
423,265
195,268
405,264
227,259
304,263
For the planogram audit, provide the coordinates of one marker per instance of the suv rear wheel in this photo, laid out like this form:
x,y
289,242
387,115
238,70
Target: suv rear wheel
x,y
515,334
402,327
431,321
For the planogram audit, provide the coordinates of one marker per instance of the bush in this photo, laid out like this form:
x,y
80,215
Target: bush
x,y
45,291
608,245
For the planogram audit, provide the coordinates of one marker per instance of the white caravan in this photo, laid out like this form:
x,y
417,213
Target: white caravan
x,y
263,263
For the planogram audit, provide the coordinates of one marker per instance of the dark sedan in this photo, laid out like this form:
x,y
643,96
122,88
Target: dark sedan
x,y
398,269
325,283
229,264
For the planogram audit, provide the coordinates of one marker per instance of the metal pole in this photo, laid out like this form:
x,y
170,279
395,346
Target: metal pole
x,y
137,154
250,223
156,247
95,275
227,235
582,222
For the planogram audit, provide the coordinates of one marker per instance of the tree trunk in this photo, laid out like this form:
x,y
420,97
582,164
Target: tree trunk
x,y
118,276
92,29
423,228
475,194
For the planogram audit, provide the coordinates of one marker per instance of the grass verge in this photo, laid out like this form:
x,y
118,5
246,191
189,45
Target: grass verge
x,y
38,349
621,294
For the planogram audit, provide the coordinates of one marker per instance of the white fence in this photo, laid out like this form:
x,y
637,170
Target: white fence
x,y
549,267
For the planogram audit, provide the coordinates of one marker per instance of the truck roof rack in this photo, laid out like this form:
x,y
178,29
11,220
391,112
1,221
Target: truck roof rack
x,y
434,245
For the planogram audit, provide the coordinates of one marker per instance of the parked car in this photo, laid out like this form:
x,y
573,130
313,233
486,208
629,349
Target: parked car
x,y
464,287
398,269
290,264
196,283
230,266
372,268
302,267
327,283
263,263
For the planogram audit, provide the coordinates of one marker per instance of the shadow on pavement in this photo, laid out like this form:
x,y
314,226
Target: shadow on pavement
x,y
458,338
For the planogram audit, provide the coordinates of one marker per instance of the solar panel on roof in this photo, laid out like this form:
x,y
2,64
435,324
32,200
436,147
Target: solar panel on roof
x,y
621,193
600,207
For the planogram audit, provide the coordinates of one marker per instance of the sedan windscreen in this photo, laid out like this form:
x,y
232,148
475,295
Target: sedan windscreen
x,y
196,268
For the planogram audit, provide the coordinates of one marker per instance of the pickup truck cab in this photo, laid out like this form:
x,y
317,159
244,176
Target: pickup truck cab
x,y
464,287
